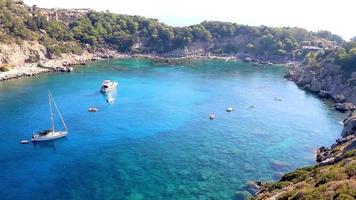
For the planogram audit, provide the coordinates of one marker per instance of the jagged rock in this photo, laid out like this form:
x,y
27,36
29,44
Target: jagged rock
x,y
343,107
254,186
324,94
339,98
306,87
329,79
315,86
349,126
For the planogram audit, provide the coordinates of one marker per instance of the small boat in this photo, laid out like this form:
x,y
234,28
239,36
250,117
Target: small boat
x,y
24,141
110,99
229,109
92,109
51,134
212,116
278,99
108,86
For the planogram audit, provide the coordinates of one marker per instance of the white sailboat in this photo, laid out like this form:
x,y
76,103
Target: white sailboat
x,y
51,134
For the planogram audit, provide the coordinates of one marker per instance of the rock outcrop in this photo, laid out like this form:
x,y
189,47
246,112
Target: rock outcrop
x,y
328,81
349,126
29,59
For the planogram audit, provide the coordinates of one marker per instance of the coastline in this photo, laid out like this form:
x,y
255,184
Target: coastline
x,y
66,62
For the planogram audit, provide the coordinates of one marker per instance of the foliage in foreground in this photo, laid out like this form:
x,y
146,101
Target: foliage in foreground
x,y
329,182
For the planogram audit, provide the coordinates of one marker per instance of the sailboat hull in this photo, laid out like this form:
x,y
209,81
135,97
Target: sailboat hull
x,y
49,136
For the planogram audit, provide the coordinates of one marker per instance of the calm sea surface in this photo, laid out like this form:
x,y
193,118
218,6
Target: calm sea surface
x,y
156,141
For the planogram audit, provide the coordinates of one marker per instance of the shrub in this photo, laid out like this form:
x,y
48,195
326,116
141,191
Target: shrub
x,y
278,185
348,154
344,197
346,190
285,196
351,170
295,176
326,178
312,195
5,38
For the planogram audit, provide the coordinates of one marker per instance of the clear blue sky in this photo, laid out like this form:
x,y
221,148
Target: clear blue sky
x,y
336,16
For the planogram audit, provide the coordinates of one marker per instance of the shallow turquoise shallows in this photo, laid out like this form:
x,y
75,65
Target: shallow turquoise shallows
x,y
156,141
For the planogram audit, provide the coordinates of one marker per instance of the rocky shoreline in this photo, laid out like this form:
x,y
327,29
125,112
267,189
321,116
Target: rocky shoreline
x,y
66,62
335,166
327,82
61,64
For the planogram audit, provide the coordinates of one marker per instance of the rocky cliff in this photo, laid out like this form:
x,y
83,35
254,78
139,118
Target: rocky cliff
x,y
29,59
328,81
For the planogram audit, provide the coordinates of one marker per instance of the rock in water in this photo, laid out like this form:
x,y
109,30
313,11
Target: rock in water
x,y
253,186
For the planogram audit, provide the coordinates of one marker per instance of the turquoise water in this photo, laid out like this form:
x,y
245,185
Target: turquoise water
x,y
156,141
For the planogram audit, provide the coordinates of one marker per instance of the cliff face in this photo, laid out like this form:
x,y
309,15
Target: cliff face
x,y
18,54
328,81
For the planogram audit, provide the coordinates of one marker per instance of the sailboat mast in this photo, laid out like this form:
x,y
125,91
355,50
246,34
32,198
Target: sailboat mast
x,y
50,107
59,113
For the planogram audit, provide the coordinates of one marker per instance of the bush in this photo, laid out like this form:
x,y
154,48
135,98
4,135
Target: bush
x,y
325,178
7,39
348,154
344,197
312,195
278,185
345,190
351,170
286,195
295,176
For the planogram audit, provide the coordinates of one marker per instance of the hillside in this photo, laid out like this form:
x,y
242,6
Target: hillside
x,y
72,31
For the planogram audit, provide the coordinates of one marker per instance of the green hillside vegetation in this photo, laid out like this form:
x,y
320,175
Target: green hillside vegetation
x,y
330,182
346,57
137,34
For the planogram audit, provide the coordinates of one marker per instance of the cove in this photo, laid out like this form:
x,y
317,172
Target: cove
x,y
156,141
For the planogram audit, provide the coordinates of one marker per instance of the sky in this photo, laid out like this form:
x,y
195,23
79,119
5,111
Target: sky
x,y
337,16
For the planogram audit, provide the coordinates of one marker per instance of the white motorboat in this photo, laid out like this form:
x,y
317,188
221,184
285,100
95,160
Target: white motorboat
x,y
229,109
108,86
92,109
24,141
51,134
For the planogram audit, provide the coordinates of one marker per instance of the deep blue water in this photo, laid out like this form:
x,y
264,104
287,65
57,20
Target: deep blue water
x,y
156,141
